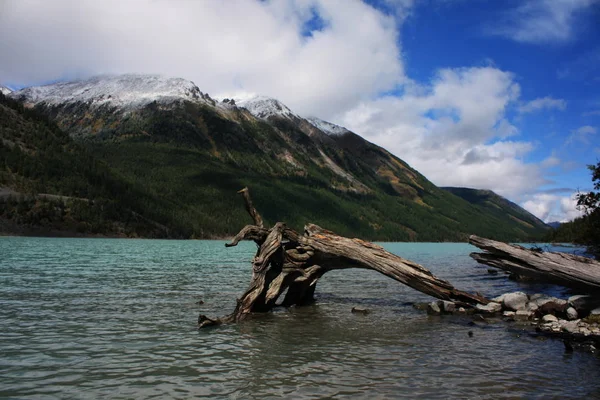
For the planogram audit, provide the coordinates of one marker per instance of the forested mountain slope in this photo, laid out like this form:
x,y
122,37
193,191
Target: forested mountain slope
x,y
188,154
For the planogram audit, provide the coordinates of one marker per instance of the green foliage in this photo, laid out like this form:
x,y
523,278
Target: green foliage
x,y
584,230
174,172
63,187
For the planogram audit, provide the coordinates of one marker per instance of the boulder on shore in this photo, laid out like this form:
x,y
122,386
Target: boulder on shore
x,y
514,301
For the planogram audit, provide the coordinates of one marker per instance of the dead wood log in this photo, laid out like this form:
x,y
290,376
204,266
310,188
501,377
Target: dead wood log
x,y
286,260
559,268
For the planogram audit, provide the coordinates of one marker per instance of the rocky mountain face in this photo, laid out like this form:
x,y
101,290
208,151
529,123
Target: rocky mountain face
x,y
4,90
194,151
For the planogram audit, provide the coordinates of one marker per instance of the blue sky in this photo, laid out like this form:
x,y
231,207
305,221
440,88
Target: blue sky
x,y
563,67
500,95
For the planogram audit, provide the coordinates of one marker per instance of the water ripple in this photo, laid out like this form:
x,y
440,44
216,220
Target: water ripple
x,y
116,318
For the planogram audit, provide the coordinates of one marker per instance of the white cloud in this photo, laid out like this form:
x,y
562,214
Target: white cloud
x,y
542,103
454,131
552,207
543,21
581,135
237,45
550,162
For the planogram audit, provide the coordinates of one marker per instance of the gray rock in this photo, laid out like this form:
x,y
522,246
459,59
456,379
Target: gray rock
x,y
448,306
491,307
508,314
433,308
569,326
585,331
540,301
536,296
531,306
461,310
523,315
515,301
499,298
571,314
595,311
359,310
549,318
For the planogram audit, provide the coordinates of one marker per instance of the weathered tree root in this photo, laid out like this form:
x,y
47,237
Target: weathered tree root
x,y
288,260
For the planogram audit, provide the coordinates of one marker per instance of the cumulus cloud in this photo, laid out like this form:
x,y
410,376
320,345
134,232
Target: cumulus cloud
x,y
328,58
543,103
543,21
271,47
455,130
550,207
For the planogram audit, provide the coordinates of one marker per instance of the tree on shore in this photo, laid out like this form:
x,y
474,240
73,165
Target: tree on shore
x,y
584,230
590,203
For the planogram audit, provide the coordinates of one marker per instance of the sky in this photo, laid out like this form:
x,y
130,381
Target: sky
x,y
501,95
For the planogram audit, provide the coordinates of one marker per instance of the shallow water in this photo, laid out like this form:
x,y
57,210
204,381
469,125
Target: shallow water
x,y
91,318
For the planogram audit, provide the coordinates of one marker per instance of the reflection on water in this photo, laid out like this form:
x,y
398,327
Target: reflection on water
x,y
90,318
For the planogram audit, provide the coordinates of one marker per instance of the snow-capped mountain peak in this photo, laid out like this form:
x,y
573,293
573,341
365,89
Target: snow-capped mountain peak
x,y
4,90
125,91
264,107
327,127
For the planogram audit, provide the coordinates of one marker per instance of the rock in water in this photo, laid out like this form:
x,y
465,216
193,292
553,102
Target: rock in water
x,y
572,313
549,318
515,301
491,307
584,303
523,315
448,306
433,308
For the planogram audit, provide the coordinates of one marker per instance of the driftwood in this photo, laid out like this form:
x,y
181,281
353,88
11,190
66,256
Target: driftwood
x,y
287,260
559,268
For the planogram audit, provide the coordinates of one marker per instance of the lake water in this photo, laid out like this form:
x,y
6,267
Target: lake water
x,y
96,318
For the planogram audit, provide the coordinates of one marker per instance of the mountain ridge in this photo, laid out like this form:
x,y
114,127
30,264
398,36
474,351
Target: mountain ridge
x,y
345,182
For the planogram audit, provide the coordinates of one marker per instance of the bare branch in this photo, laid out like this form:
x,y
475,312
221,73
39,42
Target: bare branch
x,y
250,208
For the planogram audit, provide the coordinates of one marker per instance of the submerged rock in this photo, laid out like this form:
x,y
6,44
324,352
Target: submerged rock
x,y
433,308
359,310
448,306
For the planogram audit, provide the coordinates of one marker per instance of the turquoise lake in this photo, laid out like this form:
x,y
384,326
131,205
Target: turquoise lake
x,y
112,318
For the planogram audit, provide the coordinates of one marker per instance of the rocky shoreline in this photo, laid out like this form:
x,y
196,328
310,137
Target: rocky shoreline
x,y
576,319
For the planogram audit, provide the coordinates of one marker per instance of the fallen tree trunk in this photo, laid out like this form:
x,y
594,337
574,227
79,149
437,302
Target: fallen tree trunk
x,y
560,268
288,260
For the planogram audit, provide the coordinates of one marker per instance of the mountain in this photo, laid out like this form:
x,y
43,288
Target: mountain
x,y
50,185
554,224
4,90
191,153
493,204
264,107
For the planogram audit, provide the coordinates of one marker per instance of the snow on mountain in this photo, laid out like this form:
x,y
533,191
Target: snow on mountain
x,y
4,90
125,91
264,107
327,127
134,91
